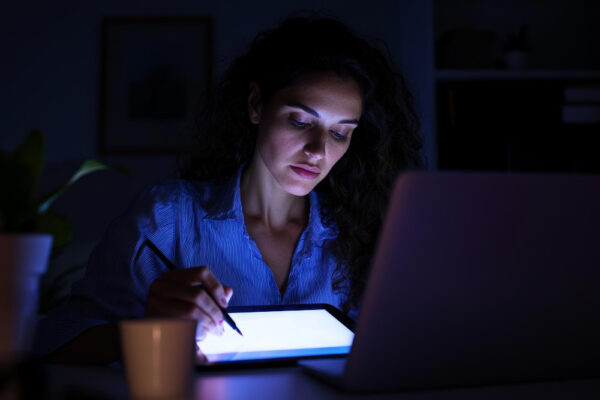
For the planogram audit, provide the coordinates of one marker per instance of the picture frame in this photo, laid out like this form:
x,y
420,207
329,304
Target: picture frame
x,y
154,71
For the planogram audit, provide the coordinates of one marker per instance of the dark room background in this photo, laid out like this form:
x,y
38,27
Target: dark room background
x,y
478,108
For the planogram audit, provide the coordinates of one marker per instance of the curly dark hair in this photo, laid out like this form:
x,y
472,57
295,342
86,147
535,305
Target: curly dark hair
x,y
355,193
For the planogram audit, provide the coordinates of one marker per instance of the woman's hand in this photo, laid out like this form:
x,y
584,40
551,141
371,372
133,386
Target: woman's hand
x,y
184,293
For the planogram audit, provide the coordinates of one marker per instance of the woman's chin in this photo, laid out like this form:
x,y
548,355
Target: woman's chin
x,y
298,189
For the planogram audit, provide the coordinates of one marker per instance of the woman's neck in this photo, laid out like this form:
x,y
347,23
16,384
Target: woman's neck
x,y
264,200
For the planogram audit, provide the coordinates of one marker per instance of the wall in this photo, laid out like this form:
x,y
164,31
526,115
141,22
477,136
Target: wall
x,y
50,67
51,56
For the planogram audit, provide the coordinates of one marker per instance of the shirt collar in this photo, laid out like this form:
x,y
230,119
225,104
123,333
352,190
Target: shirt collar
x,y
317,230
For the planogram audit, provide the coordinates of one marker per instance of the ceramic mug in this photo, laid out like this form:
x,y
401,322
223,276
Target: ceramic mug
x,y
158,354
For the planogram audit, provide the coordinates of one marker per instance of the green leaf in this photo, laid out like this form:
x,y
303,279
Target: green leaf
x,y
56,225
31,154
86,168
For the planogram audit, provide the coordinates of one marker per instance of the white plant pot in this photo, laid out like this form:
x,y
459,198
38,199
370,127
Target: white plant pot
x,y
23,259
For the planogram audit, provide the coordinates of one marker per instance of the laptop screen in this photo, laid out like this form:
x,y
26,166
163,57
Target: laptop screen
x,y
278,334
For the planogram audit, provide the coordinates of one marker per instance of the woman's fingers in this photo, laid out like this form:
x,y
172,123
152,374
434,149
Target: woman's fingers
x,y
169,307
200,357
192,295
199,275
228,292
212,284
206,324
207,305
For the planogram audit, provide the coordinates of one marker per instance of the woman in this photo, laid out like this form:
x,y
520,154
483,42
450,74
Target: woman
x,y
299,145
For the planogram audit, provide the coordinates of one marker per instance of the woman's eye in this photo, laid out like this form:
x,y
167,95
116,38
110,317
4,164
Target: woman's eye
x,y
298,124
338,136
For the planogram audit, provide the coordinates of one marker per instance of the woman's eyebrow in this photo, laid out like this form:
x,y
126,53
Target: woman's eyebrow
x,y
309,110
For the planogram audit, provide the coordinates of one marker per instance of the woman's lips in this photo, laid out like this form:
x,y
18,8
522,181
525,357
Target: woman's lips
x,y
306,171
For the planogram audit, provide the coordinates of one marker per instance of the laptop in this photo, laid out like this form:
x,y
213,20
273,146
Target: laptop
x,y
479,278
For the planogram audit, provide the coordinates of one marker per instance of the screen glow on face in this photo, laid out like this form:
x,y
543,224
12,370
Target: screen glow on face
x,y
278,334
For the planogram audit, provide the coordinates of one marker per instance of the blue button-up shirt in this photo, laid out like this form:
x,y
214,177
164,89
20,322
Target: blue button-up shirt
x,y
194,224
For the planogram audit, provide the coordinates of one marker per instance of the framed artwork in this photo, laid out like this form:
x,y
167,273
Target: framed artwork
x,y
153,73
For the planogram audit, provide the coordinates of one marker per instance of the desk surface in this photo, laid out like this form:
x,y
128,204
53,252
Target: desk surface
x,y
68,382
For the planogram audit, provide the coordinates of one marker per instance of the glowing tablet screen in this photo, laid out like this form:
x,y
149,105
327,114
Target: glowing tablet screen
x,y
278,334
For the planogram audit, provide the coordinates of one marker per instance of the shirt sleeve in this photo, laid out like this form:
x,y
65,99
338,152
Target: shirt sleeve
x,y
116,282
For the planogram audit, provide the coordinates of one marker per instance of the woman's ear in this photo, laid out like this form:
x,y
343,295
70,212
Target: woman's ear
x,y
254,103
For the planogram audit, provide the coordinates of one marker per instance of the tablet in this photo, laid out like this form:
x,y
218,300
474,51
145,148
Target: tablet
x,y
280,333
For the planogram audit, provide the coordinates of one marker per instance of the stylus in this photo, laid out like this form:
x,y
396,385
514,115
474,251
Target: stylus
x,y
172,266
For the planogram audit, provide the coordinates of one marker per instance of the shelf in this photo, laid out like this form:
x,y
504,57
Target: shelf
x,y
449,75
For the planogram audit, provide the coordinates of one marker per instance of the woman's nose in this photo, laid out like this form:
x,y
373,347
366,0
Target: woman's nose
x,y
315,145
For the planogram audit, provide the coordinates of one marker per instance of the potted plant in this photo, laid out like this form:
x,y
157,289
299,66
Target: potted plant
x,y
28,232
517,48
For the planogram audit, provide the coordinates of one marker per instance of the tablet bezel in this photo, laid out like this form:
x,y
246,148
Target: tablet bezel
x,y
335,312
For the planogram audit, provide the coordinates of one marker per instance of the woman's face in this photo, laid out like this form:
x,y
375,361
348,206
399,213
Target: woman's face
x,y
305,129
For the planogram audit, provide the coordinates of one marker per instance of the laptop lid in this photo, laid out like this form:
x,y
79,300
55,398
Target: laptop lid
x,y
482,278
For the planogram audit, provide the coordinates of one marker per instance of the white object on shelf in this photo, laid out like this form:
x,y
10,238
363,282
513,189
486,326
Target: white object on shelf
x,y
582,94
450,75
581,114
